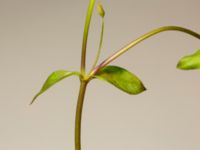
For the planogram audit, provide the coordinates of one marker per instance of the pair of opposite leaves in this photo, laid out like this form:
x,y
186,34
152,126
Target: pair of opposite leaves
x,y
119,77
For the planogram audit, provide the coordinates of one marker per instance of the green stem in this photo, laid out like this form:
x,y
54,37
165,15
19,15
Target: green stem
x,y
85,35
100,45
79,108
140,39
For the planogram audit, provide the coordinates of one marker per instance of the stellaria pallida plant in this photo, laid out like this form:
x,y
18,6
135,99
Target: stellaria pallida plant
x,y
115,75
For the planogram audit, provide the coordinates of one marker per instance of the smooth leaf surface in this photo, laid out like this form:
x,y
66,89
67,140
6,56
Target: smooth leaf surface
x,y
121,78
53,79
190,62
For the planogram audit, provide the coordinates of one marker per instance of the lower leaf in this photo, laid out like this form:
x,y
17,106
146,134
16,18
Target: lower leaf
x,y
53,79
121,78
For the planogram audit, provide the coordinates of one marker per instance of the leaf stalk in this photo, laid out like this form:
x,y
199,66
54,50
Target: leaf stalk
x,y
140,39
100,46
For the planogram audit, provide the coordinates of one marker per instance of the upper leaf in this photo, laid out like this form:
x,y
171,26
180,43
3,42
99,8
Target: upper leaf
x,y
121,78
53,79
190,62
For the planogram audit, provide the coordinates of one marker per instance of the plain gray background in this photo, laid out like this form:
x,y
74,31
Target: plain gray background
x,y
41,36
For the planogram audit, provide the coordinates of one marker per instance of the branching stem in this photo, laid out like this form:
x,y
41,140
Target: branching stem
x,y
140,39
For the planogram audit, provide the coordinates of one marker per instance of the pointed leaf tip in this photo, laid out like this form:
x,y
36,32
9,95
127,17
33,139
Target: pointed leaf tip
x,y
53,79
122,79
190,62
100,10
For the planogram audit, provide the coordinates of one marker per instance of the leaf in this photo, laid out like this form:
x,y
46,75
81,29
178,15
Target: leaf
x,y
121,78
53,79
190,62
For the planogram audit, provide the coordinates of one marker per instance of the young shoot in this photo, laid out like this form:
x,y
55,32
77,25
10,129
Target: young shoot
x,y
115,75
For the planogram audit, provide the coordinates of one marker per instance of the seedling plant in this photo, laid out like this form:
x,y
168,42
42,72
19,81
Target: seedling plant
x,y
115,75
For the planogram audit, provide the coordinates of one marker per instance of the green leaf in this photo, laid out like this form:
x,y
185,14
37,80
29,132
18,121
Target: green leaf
x,y
190,62
53,79
121,78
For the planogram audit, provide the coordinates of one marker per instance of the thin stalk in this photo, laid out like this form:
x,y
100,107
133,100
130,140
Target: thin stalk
x,y
100,46
79,109
85,35
140,39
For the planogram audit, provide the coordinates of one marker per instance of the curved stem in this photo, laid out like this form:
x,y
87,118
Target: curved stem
x,y
140,39
100,46
85,35
79,108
